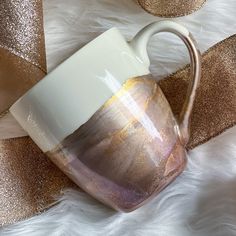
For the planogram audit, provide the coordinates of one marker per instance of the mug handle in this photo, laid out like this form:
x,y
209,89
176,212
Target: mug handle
x,y
139,45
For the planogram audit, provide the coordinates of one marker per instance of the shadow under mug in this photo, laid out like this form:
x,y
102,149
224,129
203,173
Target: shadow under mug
x,y
104,121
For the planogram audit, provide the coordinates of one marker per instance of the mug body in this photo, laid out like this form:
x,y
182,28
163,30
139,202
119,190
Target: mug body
x,y
104,121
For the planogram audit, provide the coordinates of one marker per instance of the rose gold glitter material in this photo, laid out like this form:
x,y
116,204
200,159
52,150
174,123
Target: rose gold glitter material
x,y
171,8
22,48
215,105
128,151
16,76
21,30
28,180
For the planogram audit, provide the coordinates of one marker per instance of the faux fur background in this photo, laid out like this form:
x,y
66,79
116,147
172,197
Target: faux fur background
x,y
202,201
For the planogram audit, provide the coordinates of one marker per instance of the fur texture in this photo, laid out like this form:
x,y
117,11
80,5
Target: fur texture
x,y
202,201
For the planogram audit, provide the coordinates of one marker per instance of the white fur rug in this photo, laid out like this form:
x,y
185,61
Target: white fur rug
x,y
202,201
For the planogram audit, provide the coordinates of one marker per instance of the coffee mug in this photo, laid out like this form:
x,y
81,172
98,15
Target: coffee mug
x,y
171,8
104,121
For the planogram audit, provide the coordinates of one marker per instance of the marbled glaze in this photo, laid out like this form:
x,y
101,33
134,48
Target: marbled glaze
x,y
128,150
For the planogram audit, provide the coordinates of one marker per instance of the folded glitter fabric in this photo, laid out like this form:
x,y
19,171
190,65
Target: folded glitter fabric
x,y
28,180
215,105
22,50
171,8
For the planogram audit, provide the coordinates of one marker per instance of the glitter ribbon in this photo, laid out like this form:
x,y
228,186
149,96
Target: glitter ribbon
x,y
22,54
28,180
171,8
215,104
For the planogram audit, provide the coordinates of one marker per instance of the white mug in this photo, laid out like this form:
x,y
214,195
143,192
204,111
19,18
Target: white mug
x,y
105,122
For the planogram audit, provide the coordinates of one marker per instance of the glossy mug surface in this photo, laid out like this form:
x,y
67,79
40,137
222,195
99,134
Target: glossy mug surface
x,y
104,121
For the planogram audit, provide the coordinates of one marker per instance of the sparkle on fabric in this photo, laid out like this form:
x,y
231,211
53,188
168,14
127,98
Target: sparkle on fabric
x,y
28,180
171,8
215,105
21,31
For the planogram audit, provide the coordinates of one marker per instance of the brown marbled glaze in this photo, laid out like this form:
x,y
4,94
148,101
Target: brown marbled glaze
x,y
128,150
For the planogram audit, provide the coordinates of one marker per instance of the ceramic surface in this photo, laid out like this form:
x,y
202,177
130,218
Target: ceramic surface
x,y
102,118
129,149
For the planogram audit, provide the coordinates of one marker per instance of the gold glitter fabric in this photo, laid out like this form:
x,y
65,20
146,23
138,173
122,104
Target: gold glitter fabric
x,y
171,8
16,76
29,182
22,48
215,105
21,30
